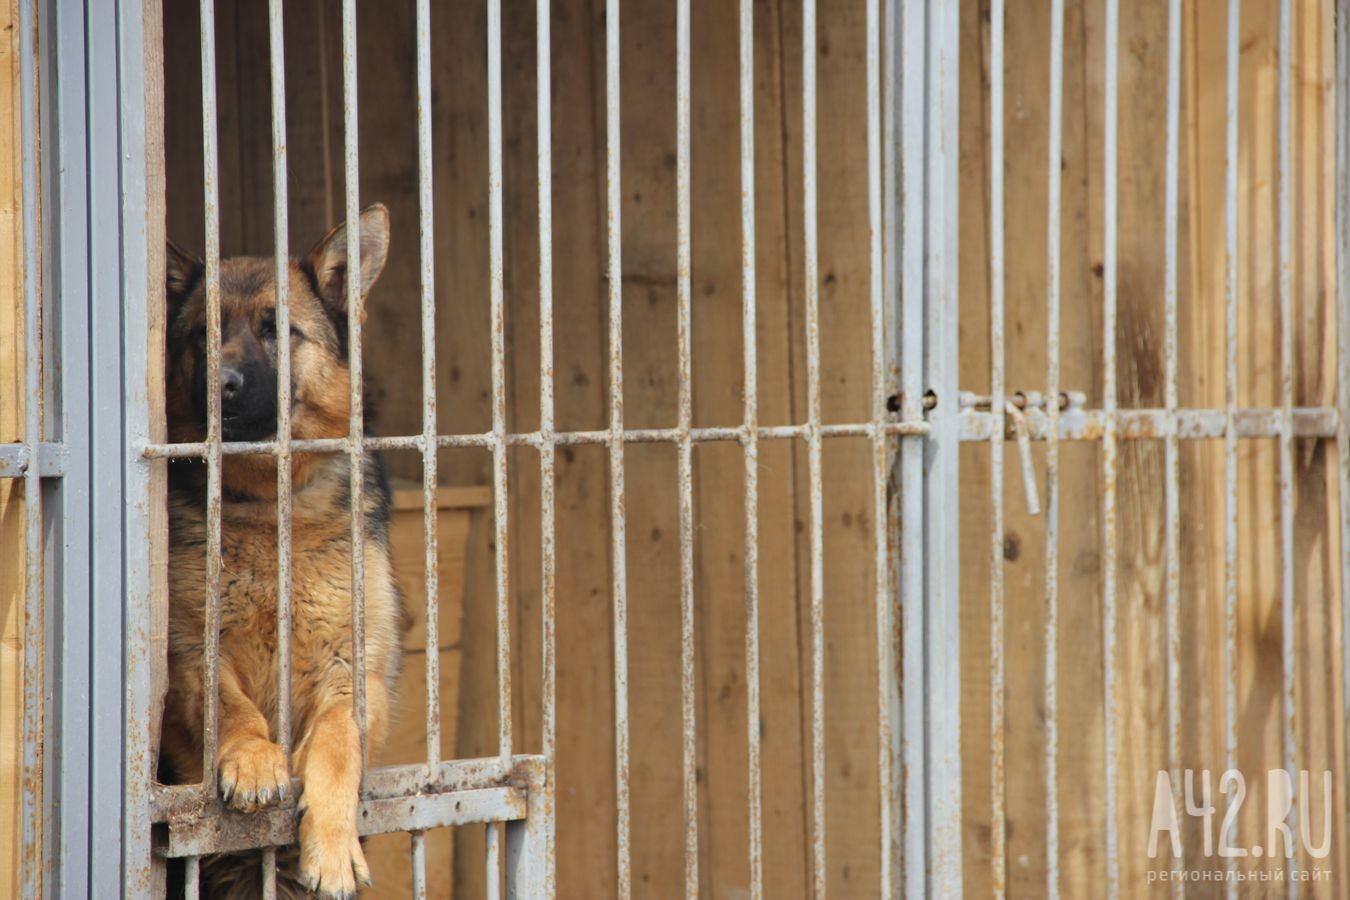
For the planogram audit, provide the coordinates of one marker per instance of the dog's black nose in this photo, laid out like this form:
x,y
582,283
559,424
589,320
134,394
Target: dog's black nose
x,y
231,383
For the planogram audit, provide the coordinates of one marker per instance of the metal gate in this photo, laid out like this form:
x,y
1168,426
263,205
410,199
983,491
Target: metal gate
x,y
92,456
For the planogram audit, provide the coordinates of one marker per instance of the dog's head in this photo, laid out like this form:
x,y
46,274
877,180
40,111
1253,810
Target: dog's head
x,y
317,303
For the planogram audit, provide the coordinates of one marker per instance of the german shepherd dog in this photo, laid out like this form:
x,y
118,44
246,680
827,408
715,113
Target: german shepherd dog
x,y
253,773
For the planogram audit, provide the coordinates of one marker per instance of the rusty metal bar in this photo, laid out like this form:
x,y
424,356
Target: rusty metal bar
x,y
750,424
355,421
548,546
211,187
812,289
976,425
1054,167
618,546
281,274
427,291
688,698
1288,643
418,841
500,494
192,878
34,594
269,873
32,825
998,836
1171,449
494,861
1151,424
890,264
1110,461
886,774
537,439
1230,436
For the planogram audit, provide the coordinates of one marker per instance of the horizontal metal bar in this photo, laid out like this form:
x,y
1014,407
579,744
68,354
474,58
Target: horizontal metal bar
x,y
536,439
51,460
231,832
1149,424
177,801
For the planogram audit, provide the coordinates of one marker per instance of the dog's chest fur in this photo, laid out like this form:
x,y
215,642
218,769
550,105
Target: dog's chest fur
x,y
321,573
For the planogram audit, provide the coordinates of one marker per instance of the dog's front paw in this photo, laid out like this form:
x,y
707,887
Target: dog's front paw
x,y
331,861
253,775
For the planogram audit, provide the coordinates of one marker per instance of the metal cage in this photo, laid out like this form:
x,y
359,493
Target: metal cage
x,y
91,458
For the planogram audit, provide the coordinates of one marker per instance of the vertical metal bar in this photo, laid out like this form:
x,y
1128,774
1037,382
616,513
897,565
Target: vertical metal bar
x,y
192,878
1171,451
890,222
427,286
688,746
880,456
529,840
942,563
750,424
1172,479
812,285
135,148
355,422
1054,166
419,865
494,861
499,483
495,290
211,185
618,551
65,184
281,235
34,595
912,28
548,550
106,353
1286,439
1109,450
269,874
1230,437
998,860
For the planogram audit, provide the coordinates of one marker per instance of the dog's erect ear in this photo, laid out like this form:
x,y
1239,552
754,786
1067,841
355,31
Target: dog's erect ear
x,y
328,259
182,271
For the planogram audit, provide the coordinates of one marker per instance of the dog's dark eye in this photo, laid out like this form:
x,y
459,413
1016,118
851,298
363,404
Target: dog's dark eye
x,y
267,328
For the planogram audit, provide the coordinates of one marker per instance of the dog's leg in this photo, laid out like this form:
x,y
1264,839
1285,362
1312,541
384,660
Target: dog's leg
x,y
252,769
329,762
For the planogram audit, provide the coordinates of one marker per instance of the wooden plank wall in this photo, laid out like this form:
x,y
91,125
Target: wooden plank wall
x,y
586,846
12,562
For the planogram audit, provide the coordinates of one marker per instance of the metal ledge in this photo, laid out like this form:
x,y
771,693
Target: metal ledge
x,y
394,798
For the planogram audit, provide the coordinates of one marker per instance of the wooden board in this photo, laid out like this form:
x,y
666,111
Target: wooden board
x,y
11,429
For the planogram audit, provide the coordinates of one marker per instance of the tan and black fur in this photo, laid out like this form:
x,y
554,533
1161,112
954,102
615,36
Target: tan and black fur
x,y
253,772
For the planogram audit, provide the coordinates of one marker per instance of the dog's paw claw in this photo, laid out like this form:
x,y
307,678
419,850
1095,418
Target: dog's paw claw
x,y
251,775
332,866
